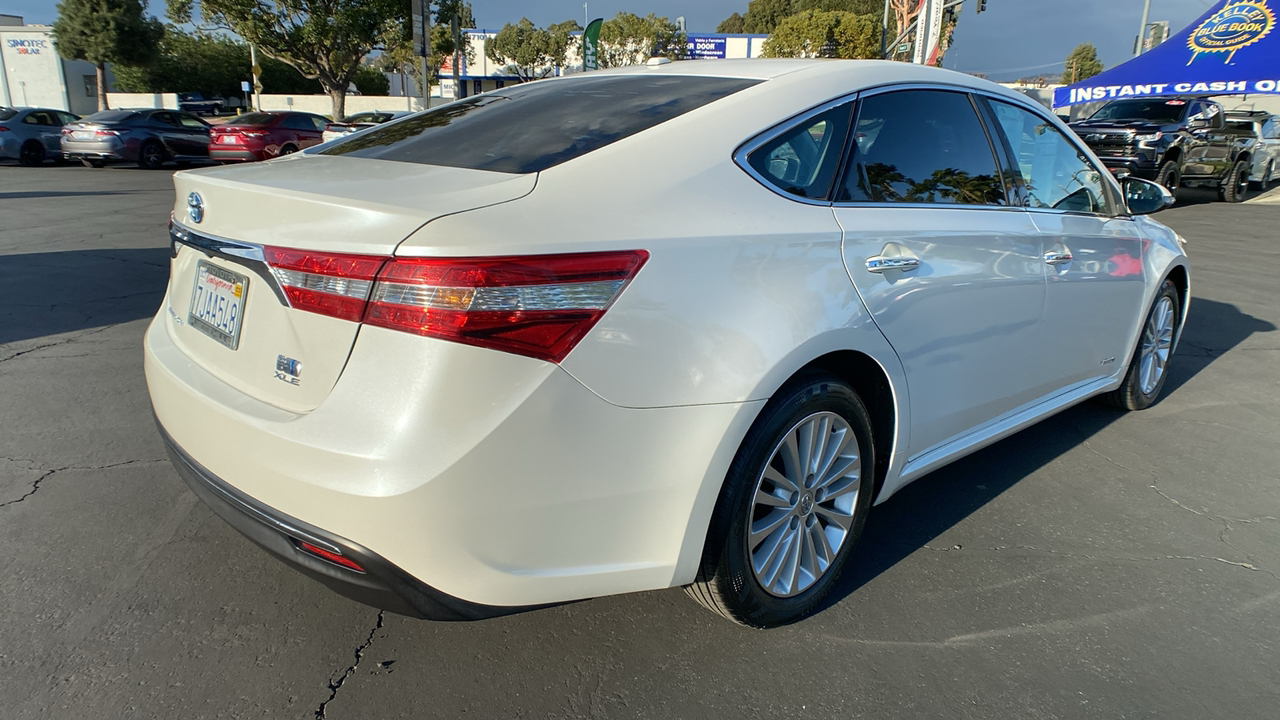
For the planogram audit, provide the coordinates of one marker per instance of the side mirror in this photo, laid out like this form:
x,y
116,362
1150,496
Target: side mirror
x,y
1197,123
1145,197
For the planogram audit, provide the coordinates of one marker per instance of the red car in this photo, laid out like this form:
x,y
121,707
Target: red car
x,y
265,135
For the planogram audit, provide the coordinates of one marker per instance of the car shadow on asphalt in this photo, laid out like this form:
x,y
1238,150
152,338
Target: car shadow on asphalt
x,y
31,195
927,508
51,293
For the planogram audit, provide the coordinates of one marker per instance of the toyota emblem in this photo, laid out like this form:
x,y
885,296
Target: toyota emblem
x,y
195,207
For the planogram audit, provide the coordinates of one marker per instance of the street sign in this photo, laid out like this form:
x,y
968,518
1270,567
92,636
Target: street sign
x,y
419,34
256,70
244,86
257,87
904,47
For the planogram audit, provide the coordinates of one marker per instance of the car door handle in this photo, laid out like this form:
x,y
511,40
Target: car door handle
x,y
880,263
1057,258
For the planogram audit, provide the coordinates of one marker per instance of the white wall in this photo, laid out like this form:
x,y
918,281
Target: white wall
x,y
142,100
322,105
32,68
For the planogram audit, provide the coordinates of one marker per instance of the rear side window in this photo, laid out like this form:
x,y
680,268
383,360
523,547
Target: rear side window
x,y
111,116
252,119
921,146
802,161
533,126
299,122
6,113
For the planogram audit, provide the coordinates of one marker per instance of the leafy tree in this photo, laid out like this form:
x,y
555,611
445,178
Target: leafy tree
x,y
735,23
397,43
528,51
831,34
371,81
323,39
629,39
857,7
1082,64
106,31
210,63
764,15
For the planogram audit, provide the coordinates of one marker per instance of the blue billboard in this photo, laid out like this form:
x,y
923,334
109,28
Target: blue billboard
x,y
706,47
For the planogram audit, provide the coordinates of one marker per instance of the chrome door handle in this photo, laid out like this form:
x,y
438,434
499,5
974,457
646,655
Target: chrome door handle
x,y
880,263
1057,258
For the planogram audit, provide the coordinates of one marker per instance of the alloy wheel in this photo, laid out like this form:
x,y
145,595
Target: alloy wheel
x,y
1157,343
804,503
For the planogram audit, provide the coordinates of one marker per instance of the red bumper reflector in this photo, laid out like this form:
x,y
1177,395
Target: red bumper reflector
x,y
334,558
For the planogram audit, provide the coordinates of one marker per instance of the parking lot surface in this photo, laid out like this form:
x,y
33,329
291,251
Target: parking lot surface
x,y
1098,565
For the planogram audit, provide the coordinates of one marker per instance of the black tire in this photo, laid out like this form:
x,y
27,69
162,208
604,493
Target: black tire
x,y
287,150
1131,395
727,583
151,155
1170,177
31,154
91,163
1235,186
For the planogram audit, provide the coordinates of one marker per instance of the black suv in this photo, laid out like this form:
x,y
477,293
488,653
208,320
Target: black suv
x,y
1177,142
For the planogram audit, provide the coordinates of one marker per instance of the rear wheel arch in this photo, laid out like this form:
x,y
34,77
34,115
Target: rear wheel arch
x,y
1178,276
873,385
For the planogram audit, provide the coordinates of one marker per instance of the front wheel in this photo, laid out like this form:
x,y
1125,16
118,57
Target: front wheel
x,y
792,508
1236,185
1149,366
1169,177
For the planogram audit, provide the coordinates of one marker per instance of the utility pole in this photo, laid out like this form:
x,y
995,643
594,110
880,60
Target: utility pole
x,y
1146,13
884,32
256,71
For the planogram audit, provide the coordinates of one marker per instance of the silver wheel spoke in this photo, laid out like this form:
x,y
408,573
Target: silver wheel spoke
x,y
1157,344
802,508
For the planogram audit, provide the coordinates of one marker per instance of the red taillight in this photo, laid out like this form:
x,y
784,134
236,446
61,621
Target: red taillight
x,y
5,129
536,305
539,305
326,283
107,133
332,557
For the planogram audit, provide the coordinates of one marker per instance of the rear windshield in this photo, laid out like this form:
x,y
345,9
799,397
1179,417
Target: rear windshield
x,y
531,127
6,113
1242,126
253,119
111,116
1167,111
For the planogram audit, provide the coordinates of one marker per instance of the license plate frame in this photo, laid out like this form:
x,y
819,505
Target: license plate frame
x,y
217,306
81,134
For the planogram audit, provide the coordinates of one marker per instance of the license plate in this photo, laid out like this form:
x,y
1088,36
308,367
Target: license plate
x,y
225,139
82,134
217,303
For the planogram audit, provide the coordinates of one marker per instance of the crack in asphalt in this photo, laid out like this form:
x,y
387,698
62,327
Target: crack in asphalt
x,y
35,484
335,685
64,341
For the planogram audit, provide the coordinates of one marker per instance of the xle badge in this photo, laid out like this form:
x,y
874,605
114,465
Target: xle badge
x,y
288,370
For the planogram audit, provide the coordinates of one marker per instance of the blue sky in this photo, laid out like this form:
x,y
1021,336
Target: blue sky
x,y
1012,39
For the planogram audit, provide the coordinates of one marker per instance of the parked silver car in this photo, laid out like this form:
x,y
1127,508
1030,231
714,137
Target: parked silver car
x,y
1264,128
30,135
148,137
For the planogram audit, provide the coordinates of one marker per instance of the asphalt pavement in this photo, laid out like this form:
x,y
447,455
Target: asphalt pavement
x,y
1098,565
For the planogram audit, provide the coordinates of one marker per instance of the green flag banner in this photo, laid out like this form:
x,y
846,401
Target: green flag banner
x,y
591,45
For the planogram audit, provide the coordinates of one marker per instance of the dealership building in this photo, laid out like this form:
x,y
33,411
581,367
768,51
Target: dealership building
x,y
34,75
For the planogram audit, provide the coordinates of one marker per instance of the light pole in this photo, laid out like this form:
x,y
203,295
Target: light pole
x,y
884,31
1146,13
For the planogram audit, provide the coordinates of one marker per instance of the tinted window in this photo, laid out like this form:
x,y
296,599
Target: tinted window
x,y
921,146
1165,111
1242,126
534,126
803,160
40,117
67,118
192,121
111,116
298,122
164,118
253,119
1055,173
6,113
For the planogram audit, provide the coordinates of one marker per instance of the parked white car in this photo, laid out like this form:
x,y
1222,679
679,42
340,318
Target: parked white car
x,y
358,122
669,325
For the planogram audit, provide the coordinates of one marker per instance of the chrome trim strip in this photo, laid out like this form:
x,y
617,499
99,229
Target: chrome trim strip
x,y
247,255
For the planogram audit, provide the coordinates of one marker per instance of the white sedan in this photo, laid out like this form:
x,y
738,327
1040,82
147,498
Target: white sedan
x,y
671,325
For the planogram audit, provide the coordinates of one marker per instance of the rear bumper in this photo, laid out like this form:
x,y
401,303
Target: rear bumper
x,y
383,585
497,480
114,151
222,155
